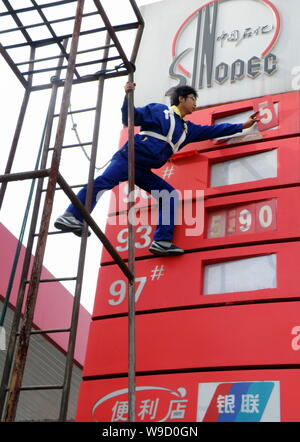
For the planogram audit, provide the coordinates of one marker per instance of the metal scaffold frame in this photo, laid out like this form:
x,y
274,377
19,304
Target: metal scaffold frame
x,y
11,384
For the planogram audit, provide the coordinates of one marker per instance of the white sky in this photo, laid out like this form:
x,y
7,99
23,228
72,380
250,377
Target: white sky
x,y
62,250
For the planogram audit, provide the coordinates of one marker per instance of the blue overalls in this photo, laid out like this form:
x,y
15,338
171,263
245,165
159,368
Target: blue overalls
x,y
163,132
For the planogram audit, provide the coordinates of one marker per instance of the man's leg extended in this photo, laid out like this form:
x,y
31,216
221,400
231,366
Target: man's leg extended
x,y
167,198
72,220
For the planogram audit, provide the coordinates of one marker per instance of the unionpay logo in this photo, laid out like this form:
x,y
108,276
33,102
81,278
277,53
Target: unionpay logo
x,y
225,41
239,402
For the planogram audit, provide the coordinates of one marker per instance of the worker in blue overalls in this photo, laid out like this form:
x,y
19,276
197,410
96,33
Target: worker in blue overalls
x,y
163,133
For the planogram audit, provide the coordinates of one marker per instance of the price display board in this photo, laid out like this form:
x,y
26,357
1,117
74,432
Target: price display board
x,y
226,170
214,277
233,219
279,118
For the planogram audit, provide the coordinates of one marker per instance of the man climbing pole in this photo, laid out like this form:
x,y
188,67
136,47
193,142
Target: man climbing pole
x,y
163,132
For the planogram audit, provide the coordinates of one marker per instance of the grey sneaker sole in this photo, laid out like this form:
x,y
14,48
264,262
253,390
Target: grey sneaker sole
x,y
65,228
158,252
80,233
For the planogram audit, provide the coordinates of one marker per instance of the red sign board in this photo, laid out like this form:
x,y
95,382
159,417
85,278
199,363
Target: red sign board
x,y
279,116
230,336
234,219
197,171
231,396
162,283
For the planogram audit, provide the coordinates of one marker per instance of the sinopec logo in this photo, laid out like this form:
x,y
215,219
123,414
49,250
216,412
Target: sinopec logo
x,y
224,41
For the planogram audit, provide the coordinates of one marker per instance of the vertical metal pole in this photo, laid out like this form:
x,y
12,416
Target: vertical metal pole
x,y
139,31
131,261
29,246
18,129
131,236
21,354
81,260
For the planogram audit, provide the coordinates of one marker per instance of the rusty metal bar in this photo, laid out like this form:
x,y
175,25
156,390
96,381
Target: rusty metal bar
x,y
113,35
28,250
13,14
131,233
50,330
94,226
78,111
86,79
75,186
41,387
12,65
78,65
82,253
55,57
139,31
69,278
20,176
48,41
51,22
56,39
22,349
70,146
131,262
31,8
18,130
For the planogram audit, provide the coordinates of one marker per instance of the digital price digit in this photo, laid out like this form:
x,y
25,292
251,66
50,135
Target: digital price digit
x,y
265,216
267,115
217,225
256,217
245,220
231,222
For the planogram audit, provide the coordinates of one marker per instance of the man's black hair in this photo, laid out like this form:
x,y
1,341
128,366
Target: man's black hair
x,y
182,91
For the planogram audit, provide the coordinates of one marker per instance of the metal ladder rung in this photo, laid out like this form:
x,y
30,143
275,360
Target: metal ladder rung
x,y
77,65
53,330
55,232
78,111
41,387
69,146
73,278
76,186
56,57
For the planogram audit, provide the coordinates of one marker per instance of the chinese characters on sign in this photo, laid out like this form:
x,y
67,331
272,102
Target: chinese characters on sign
x,y
147,410
227,403
153,404
237,36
